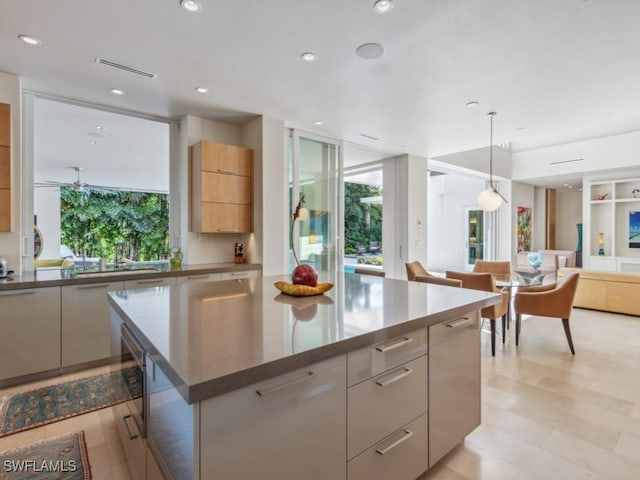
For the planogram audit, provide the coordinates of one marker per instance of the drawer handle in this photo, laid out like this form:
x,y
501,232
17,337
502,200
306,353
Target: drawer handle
x,y
267,391
15,294
143,282
89,287
460,322
393,346
405,373
407,435
195,277
232,172
125,419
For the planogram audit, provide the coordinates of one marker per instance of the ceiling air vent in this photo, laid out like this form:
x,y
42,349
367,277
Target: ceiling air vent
x,y
126,68
567,161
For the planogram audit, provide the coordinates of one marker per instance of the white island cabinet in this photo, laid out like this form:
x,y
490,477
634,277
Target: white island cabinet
x,y
372,381
30,340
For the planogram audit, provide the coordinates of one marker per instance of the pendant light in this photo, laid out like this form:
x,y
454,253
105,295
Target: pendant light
x,y
490,199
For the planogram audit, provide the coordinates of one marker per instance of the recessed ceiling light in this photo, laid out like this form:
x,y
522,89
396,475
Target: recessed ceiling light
x,y
202,90
383,6
317,122
116,91
308,56
472,104
191,5
566,184
370,51
406,147
29,40
99,127
520,128
93,142
570,186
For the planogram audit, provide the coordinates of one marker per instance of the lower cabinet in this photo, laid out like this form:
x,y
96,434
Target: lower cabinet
x,y
149,282
30,340
454,383
85,322
199,278
291,426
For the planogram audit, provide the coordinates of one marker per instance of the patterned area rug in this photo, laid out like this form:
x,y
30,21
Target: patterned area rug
x,y
60,458
26,410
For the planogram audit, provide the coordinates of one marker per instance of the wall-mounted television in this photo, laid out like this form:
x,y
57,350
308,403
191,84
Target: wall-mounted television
x,y
634,229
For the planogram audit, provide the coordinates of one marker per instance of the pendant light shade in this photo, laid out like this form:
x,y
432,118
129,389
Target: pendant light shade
x,y
490,199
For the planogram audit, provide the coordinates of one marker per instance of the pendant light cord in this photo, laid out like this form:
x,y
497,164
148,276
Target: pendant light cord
x,y
491,115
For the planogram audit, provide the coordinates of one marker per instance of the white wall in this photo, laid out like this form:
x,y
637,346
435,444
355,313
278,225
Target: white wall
x,y
477,161
449,196
568,214
10,241
539,219
617,151
198,247
47,209
266,136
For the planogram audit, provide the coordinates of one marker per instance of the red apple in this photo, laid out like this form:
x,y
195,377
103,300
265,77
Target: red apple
x,y
304,275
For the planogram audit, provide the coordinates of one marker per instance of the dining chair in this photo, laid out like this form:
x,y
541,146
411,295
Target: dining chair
x,y
450,282
497,268
369,271
486,283
554,300
415,268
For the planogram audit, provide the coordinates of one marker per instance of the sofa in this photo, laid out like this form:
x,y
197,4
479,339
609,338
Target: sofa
x,y
616,292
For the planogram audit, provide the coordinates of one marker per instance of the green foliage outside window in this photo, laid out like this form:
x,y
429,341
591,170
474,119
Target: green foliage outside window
x,y
94,222
357,230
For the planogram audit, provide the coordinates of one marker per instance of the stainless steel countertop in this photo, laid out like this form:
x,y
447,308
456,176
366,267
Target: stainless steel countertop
x,y
211,338
62,277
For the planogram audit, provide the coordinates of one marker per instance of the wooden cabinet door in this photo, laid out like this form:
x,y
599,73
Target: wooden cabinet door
x,y
30,340
5,210
5,125
225,217
221,188
85,322
5,167
228,159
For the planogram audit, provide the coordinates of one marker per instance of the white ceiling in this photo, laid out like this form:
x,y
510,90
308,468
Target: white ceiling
x,y
563,69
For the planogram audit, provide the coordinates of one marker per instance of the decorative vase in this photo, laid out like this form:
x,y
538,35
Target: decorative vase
x,y
579,246
601,244
535,260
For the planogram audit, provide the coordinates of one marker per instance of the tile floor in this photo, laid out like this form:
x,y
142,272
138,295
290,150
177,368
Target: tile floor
x,y
545,413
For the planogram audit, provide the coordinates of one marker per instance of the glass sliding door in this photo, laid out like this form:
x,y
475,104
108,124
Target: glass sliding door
x,y
474,242
315,176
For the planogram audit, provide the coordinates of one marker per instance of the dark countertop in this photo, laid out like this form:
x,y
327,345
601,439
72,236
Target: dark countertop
x,y
63,277
215,337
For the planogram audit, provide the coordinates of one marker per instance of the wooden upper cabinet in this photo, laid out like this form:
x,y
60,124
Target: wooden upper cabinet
x,y
5,167
225,159
5,125
221,188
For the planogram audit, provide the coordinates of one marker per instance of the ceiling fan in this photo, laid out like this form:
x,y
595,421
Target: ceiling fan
x,y
78,185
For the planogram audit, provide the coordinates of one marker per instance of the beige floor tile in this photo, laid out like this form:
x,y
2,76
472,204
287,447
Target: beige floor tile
x,y
603,462
629,447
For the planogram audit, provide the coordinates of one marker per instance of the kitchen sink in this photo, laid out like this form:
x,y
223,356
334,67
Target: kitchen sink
x,y
109,273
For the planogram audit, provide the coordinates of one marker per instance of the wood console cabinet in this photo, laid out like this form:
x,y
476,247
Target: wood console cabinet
x,y
5,167
221,185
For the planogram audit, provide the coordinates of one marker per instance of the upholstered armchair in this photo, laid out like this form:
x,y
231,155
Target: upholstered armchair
x,y
496,268
549,301
368,271
449,282
415,268
485,282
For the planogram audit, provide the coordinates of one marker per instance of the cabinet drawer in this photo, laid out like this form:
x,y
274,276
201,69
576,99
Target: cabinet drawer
x,y
382,356
149,282
243,274
223,188
380,405
400,456
225,217
198,278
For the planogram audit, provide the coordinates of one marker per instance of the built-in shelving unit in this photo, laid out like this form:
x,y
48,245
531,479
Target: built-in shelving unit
x,y
608,234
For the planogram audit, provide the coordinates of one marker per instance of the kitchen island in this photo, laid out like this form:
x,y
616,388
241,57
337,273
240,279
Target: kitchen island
x,y
378,378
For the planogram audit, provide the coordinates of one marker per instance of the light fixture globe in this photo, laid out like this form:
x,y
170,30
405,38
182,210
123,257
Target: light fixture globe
x,y
489,200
